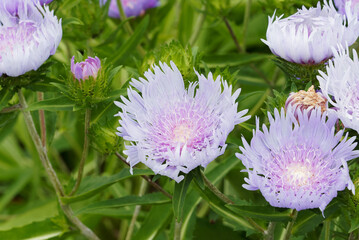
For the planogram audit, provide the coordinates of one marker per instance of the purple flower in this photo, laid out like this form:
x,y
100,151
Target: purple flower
x,y
347,7
340,85
130,7
173,129
307,36
298,163
83,70
28,38
13,5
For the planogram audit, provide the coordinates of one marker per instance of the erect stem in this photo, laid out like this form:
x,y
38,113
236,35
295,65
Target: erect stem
x,y
269,234
84,151
198,26
155,185
288,231
178,226
11,109
245,22
136,212
225,199
40,97
127,25
50,171
233,35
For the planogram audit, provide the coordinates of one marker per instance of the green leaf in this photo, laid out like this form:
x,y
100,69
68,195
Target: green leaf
x,y
152,198
309,219
229,60
156,219
179,196
198,177
15,188
5,96
93,185
54,104
261,212
71,20
46,229
131,43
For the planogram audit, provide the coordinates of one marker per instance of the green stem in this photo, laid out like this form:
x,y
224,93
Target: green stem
x,y
198,26
245,23
40,97
233,35
84,151
269,234
225,199
11,109
127,25
50,171
327,230
136,212
178,226
288,231
155,185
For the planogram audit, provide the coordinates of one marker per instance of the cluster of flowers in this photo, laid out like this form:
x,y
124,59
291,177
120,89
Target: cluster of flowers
x,y
299,161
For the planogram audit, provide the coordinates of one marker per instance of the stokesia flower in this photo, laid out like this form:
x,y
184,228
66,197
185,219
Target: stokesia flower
x,y
83,70
340,84
173,129
347,7
12,5
130,7
298,163
307,36
28,38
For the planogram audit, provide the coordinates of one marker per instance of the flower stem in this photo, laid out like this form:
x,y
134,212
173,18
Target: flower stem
x,y
327,230
215,190
11,109
127,25
233,35
269,234
153,184
84,151
136,212
178,226
245,23
198,26
225,199
288,231
40,97
50,171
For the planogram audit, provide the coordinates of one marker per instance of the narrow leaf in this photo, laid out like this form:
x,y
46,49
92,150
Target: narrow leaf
x,y
179,196
261,212
54,104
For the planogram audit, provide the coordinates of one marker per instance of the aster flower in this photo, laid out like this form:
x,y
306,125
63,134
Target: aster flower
x,y
298,163
83,70
173,129
307,36
347,7
130,7
12,5
340,85
306,100
28,38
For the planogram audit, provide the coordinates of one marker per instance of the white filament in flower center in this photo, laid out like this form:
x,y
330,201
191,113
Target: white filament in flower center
x,y
297,175
182,133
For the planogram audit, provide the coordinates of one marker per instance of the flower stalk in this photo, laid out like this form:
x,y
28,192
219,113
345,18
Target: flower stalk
x,y
50,171
288,231
84,152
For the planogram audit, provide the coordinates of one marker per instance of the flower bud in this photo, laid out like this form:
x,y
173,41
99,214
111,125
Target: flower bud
x,y
83,70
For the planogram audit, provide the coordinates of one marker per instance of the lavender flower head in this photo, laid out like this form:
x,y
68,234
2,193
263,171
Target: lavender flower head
x,y
341,86
13,5
130,7
173,129
28,38
83,70
307,36
347,7
298,163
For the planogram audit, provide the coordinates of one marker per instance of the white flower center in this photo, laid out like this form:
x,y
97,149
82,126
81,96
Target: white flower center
x,y
182,133
298,175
